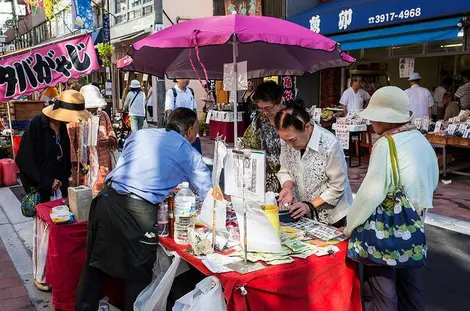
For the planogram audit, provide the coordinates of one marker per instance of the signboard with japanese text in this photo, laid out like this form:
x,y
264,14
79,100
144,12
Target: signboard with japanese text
x,y
82,14
46,66
341,17
406,67
243,7
342,133
288,87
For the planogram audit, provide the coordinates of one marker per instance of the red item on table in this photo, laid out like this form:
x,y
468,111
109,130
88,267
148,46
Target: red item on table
x,y
226,129
66,256
316,283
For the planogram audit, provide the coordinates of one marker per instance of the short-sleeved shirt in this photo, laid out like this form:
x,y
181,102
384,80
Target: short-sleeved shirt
x,y
463,93
420,101
184,99
354,101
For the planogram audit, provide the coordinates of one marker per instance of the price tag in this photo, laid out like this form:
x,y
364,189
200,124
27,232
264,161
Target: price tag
x,y
462,128
425,125
438,126
342,132
418,123
451,129
317,115
466,134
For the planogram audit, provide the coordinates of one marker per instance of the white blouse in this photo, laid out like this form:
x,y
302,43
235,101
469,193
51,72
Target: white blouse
x,y
418,171
321,171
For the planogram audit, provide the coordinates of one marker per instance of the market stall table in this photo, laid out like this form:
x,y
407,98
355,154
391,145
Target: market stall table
x,y
316,283
221,123
355,131
443,142
66,256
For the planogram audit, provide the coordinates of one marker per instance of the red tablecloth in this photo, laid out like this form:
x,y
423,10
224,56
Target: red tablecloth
x,y
65,257
316,283
226,129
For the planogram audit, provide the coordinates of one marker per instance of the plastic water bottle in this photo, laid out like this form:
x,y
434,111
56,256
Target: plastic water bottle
x,y
185,212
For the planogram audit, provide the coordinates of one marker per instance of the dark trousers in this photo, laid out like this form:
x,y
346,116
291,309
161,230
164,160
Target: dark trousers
x,y
390,289
90,287
197,145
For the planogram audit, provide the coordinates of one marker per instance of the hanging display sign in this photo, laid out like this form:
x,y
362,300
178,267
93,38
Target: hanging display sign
x,y
340,17
46,66
82,14
288,87
407,67
243,7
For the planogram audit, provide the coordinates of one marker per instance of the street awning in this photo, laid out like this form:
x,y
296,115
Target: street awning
x,y
415,33
344,16
130,37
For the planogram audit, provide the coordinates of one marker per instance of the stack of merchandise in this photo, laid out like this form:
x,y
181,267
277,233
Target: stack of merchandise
x,y
62,215
458,126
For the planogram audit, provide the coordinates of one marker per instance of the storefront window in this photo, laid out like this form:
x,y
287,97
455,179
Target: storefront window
x,y
445,47
147,10
121,6
406,50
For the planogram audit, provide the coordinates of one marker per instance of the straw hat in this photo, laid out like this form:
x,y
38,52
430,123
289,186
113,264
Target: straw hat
x,y
93,98
69,107
415,76
135,84
389,104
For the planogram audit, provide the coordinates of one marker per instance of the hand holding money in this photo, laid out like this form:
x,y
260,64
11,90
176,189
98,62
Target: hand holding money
x,y
286,196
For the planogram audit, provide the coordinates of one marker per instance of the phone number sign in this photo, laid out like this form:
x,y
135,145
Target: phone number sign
x,y
335,18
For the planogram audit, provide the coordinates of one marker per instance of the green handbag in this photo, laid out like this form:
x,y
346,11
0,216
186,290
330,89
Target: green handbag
x,y
28,204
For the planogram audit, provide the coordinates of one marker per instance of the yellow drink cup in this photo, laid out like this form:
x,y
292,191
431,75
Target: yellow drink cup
x,y
273,215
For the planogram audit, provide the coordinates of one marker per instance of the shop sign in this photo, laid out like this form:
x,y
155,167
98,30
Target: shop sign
x,y
49,65
243,7
82,13
407,67
375,13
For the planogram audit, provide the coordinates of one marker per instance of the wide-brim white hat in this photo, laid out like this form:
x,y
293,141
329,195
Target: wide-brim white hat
x,y
69,107
135,84
93,97
389,104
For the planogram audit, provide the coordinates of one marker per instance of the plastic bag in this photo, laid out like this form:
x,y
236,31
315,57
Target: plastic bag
x,y
207,296
106,306
56,195
155,295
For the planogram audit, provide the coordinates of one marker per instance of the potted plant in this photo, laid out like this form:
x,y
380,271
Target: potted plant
x,y
105,50
203,128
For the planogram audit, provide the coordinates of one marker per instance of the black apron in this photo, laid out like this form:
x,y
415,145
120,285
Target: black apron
x,y
122,236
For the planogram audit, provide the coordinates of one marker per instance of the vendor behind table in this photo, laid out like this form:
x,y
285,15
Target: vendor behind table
x,y
122,231
313,174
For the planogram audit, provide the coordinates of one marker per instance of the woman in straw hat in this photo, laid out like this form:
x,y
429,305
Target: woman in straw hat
x,y
99,156
44,156
385,287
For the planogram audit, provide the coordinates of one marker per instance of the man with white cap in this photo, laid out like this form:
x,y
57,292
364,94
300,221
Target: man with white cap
x,y
136,103
420,98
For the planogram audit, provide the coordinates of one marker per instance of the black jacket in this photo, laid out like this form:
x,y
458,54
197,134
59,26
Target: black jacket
x,y
41,158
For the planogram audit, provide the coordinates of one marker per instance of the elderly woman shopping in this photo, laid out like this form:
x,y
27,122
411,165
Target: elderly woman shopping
x,y
398,188
313,174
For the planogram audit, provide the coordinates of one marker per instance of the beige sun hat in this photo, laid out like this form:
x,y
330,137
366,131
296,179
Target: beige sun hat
x,y
93,97
389,104
69,107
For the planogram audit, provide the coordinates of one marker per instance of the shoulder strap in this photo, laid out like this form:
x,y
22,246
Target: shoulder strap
x,y
192,91
133,100
394,159
174,95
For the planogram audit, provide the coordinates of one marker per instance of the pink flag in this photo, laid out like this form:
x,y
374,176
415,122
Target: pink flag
x,y
46,66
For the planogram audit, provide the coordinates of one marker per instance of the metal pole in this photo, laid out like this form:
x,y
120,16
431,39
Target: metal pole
x,y
158,85
234,90
11,130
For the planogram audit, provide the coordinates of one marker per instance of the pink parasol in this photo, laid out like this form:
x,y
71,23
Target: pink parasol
x,y
200,47
271,46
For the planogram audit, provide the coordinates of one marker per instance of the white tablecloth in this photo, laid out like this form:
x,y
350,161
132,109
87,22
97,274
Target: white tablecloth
x,y
223,116
354,127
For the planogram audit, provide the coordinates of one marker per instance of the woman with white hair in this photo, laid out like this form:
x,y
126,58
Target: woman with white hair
x,y
402,161
101,145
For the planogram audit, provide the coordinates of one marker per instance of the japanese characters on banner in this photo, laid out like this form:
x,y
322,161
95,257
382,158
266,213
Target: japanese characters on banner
x,y
243,7
407,67
342,132
288,87
82,14
47,66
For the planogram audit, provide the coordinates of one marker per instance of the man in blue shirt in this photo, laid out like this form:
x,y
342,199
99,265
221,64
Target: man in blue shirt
x,y
122,237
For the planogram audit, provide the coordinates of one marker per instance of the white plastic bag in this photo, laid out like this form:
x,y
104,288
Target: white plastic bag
x,y
155,295
57,194
207,296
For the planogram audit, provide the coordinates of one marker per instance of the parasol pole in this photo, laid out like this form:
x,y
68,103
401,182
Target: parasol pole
x,y
11,130
235,84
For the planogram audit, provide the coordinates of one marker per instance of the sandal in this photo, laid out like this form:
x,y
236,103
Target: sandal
x,y
42,286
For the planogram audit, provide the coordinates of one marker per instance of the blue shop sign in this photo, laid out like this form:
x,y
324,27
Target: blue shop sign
x,y
344,16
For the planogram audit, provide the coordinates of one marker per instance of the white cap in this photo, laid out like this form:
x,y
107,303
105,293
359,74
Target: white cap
x,y
414,76
185,184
